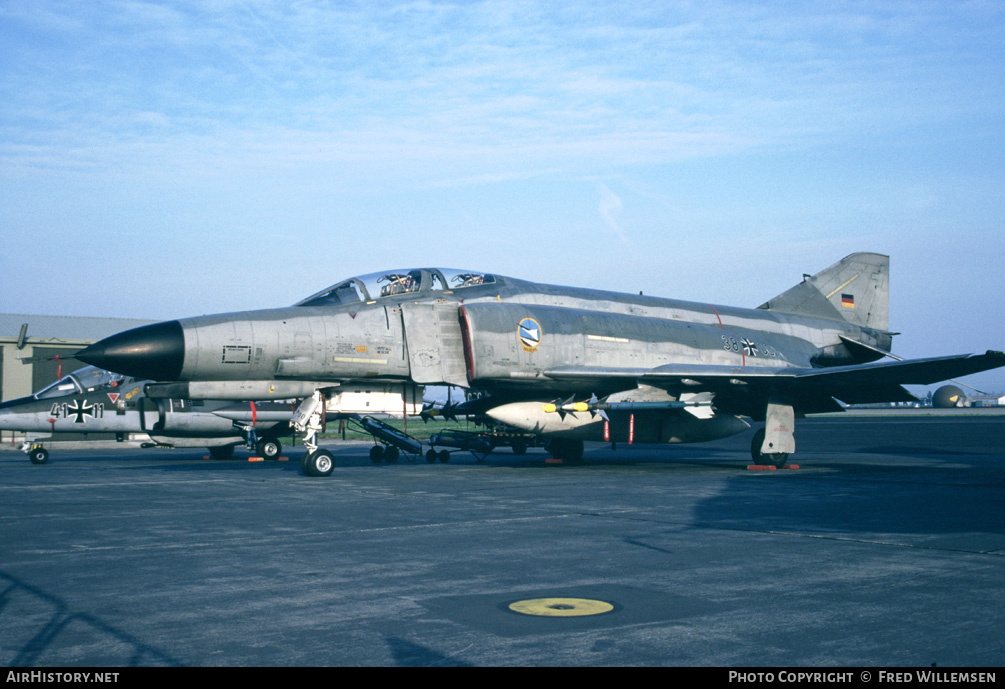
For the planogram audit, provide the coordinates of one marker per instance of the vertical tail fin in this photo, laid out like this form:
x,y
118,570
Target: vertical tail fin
x,y
855,289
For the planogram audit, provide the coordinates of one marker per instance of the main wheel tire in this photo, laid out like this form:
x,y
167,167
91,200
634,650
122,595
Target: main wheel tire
x,y
575,451
269,448
566,450
777,459
755,445
39,455
222,452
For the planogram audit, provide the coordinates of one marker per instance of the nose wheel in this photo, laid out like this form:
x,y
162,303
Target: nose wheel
x,y
318,463
307,419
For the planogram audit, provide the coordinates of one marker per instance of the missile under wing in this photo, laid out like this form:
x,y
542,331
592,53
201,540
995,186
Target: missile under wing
x,y
570,364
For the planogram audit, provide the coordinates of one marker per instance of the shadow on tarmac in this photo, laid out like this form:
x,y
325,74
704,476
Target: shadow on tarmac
x,y
408,654
44,622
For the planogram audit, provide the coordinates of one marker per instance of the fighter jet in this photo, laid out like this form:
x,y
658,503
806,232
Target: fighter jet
x,y
568,364
92,400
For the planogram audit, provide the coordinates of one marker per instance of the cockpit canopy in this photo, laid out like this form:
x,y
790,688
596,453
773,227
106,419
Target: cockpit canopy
x,y
389,283
82,380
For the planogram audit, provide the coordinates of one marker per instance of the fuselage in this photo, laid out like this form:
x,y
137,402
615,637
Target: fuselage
x,y
501,334
571,363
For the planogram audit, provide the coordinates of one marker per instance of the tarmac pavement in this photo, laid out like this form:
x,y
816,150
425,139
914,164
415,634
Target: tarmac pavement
x,y
885,548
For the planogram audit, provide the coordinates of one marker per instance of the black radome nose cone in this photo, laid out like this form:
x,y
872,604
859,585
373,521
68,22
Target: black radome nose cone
x,y
151,351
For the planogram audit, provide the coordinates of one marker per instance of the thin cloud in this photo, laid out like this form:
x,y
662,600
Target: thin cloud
x,y
524,82
610,209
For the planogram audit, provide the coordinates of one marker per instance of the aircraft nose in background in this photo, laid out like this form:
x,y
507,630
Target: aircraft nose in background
x,y
151,351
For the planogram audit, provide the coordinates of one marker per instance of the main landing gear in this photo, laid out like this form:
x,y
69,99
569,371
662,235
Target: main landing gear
x,y
776,441
776,459
566,450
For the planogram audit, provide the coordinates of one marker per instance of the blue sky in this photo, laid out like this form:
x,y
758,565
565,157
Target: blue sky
x,y
160,160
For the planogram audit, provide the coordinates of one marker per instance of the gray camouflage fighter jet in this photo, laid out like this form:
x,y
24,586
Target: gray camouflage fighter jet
x,y
91,400
569,364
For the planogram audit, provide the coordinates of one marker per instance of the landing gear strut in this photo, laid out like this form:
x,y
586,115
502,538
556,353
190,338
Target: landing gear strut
x,y
307,420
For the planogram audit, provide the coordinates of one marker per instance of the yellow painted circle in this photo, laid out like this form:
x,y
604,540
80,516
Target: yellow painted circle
x,y
561,607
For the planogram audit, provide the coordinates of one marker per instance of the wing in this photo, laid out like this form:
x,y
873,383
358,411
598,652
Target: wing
x,y
744,389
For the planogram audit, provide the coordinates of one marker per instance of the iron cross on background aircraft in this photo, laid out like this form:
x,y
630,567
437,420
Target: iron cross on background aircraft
x,y
628,367
91,400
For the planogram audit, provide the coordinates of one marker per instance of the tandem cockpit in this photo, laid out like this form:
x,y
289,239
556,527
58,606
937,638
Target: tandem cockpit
x,y
389,283
85,379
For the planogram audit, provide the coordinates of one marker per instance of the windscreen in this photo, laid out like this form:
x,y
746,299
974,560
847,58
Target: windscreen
x,y
348,292
390,283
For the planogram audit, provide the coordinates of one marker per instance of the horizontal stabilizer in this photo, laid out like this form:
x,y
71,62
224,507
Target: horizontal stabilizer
x,y
911,371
